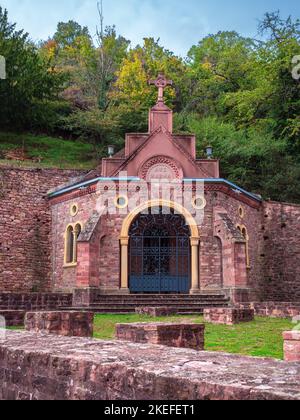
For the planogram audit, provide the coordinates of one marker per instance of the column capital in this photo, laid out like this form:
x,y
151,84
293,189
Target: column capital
x,y
124,241
195,241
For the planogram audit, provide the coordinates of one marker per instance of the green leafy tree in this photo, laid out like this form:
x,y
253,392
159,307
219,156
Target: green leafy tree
x,y
132,94
218,65
29,85
67,34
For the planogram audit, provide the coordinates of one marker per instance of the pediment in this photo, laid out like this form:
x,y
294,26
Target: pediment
x,y
160,148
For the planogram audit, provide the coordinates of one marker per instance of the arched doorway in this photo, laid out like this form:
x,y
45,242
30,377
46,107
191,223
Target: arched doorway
x,y
159,253
125,239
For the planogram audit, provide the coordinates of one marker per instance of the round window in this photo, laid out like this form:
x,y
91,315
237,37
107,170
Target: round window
x,y
74,210
199,203
121,202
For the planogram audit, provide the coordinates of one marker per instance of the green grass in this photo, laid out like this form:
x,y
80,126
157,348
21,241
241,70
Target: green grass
x,y
52,152
262,338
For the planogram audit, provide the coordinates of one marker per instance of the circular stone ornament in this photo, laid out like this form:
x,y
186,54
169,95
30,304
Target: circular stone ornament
x,y
121,201
199,202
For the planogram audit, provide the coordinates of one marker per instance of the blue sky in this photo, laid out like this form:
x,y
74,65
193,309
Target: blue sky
x,y
178,23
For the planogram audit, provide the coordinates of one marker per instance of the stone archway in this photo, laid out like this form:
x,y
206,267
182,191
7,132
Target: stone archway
x,y
194,241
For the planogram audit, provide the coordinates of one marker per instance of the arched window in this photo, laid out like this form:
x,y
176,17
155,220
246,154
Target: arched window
x,y
77,232
69,248
71,237
244,232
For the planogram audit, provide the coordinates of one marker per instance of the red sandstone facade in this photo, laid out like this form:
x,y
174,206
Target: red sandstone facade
x,y
242,246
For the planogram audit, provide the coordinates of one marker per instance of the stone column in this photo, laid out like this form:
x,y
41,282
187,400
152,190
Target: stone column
x,y
195,266
124,266
75,246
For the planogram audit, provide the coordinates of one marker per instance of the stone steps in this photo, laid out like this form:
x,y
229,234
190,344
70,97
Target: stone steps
x,y
183,304
124,310
161,304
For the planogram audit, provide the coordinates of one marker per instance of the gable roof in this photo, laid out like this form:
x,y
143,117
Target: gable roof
x,y
163,130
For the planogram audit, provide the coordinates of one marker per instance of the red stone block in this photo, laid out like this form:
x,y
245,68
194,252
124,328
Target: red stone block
x,y
189,336
228,316
291,346
68,324
13,318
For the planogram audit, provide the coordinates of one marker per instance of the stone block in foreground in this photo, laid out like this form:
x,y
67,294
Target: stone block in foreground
x,y
67,324
156,311
291,346
49,367
13,318
228,316
190,336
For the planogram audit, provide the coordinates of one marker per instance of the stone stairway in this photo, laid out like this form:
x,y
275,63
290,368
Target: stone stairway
x,y
184,304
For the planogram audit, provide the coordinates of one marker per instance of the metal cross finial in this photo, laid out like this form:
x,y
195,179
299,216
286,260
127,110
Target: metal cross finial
x,y
161,83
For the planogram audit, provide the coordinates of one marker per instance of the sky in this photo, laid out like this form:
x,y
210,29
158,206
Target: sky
x,y
178,23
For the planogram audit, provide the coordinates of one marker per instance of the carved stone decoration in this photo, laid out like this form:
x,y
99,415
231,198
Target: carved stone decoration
x,y
160,167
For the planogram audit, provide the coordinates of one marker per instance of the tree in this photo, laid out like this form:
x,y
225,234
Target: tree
x,y
67,34
271,97
132,94
283,44
29,85
218,65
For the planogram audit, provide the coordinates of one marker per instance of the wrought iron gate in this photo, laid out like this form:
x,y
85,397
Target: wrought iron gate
x,y
159,254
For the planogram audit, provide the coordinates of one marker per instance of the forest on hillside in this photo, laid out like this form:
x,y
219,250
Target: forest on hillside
x,y
237,94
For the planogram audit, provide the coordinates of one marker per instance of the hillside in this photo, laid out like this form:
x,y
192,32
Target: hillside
x,y
28,150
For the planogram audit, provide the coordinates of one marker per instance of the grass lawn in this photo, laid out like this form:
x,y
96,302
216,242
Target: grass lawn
x,y
50,151
262,338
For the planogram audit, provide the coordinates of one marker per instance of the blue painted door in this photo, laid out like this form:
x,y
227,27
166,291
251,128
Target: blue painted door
x,y
159,264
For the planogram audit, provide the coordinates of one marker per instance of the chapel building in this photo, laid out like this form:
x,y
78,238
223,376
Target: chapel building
x,y
155,219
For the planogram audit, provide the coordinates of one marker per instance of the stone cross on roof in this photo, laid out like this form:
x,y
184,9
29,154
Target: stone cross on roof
x,y
161,83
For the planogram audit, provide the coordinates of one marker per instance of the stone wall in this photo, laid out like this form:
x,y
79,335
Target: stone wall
x,y
34,301
274,309
25,243
38,367
281,253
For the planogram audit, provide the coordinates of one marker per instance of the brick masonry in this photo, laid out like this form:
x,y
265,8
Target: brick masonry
x,y
25,245
228,316
281,252
156,312
67,324
291,346
274,309
34,301
183,335
37,367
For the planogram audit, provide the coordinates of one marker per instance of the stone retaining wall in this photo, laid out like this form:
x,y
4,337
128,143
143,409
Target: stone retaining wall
x,y
37,367
34,301
25,223
274,309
